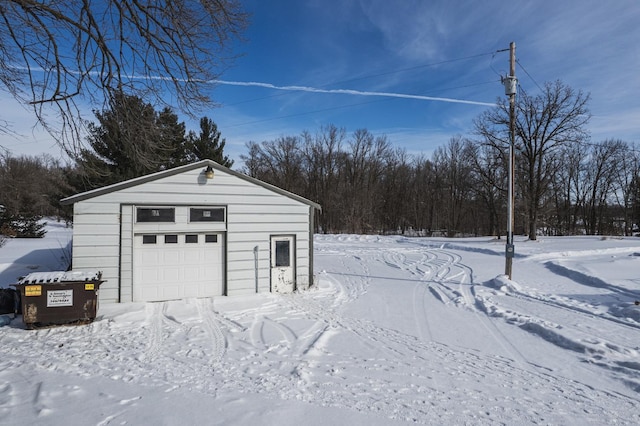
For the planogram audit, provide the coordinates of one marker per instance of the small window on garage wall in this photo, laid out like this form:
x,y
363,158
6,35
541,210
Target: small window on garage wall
x,y
191,238
212,214
148,239
211,238
155,214
171,239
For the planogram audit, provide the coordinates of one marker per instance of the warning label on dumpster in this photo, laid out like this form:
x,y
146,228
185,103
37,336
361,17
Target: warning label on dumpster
x,y
33,290
59,298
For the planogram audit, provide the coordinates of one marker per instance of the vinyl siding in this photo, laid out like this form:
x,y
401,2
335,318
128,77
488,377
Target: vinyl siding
x,y
104,228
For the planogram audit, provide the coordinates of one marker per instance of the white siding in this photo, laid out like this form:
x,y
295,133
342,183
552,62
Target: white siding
x,y
254,214
96,243
126,254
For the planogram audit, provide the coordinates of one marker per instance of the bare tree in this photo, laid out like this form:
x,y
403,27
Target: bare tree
x,y
599,184
323,158
490,183
56,56
364,168
30,188
455,163
278,162
253,164
568,191
424,195
544,123
396,192
627,172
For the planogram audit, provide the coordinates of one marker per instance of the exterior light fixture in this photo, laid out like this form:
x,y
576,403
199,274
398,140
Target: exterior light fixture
x,y
208,172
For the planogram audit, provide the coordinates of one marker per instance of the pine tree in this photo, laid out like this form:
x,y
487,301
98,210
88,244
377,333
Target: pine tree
x,y
131,139
207,145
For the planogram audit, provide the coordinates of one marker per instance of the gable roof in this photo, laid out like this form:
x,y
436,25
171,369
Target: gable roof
x,y
181,169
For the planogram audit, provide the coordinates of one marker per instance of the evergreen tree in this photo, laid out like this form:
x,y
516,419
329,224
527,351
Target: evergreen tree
x,y
131,139
171,134
207,145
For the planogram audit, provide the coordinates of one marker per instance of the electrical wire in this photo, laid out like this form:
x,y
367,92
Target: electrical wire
x,y
529,75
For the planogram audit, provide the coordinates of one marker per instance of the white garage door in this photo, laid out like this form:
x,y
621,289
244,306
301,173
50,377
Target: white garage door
x,y
176,266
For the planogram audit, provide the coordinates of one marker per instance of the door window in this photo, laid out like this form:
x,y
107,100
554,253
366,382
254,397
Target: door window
x,y
282,253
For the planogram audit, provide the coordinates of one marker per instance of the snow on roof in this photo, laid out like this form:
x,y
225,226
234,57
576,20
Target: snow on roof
x,y
60,276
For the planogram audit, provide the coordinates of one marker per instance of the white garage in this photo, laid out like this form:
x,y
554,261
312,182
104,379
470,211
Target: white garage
x,y
200,230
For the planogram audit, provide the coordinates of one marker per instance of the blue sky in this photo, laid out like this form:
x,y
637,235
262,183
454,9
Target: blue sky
x,y
433,49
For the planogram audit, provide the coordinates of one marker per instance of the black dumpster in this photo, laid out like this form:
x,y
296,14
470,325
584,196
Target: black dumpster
x,y
56,298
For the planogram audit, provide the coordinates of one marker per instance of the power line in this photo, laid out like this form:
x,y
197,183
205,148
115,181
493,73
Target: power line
x,y
433,64
529,75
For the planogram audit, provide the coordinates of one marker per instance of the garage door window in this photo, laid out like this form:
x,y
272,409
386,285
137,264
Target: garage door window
x,y
148,239
206,214
155,214
213,238
171,239
191,238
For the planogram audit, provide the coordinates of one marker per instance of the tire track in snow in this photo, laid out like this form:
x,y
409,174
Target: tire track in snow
x,y
574,336
449,281
6,400
571,308
464,280
400,388
154,312
452,282
420,315
263,324
210,323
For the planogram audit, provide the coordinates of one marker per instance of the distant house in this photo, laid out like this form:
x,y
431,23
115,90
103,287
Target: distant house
x,y
199,230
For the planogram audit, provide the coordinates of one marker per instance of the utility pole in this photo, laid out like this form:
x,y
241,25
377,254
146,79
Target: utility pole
x,y
510,88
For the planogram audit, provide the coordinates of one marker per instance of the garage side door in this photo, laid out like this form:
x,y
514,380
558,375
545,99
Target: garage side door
x,y
175,266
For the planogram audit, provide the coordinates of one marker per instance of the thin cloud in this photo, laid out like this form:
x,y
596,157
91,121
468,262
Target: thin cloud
x,y
349,92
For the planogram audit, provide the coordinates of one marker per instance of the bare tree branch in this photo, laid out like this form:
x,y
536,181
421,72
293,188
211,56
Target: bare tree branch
x,y
63,57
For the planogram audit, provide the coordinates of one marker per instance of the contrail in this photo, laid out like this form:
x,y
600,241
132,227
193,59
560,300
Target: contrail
x,y
349,92
300,88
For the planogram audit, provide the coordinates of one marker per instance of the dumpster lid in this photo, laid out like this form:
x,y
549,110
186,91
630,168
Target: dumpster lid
x,y
60,276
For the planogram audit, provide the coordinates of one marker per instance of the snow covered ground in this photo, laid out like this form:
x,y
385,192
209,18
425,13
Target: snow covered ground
x,y
396,331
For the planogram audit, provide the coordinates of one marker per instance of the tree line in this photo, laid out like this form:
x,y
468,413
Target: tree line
x,y
366,186
565,184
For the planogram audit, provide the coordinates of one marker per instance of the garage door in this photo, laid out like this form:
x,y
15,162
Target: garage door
x,y
177,266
